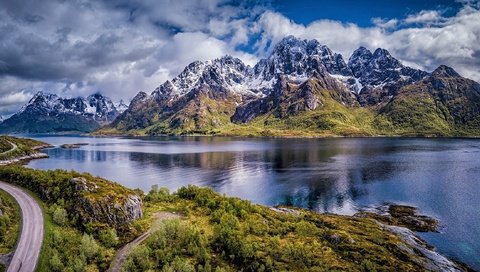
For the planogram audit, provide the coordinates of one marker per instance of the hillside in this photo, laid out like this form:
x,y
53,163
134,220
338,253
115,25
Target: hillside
x,y
304,89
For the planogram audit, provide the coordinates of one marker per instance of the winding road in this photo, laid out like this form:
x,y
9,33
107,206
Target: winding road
x,y
14,147
28,248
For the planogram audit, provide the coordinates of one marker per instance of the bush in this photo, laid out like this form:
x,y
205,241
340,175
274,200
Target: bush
x,y
109,237
89,246
55,262
60,216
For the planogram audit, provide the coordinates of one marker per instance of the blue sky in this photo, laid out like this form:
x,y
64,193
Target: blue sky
x,y
125,46
359,12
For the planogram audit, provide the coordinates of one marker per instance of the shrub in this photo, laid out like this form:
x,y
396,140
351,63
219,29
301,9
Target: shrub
x,y
109,237
89,246
60,216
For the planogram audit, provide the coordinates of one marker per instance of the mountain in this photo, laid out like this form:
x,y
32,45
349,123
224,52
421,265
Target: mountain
x,y
442,103
380,75
121,106
50,113
303,88
203,96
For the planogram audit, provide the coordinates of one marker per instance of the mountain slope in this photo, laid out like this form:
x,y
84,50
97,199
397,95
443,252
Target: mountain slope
x,y
51,113
380,75
303,88
443,103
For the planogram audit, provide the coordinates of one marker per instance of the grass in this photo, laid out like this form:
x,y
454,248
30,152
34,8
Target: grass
x,y
219,233
10,222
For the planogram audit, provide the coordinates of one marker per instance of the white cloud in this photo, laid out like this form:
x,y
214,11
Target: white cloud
x,y
80,47
385,23
454,42
423,17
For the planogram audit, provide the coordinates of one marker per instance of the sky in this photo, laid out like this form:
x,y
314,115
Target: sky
x,y
118,48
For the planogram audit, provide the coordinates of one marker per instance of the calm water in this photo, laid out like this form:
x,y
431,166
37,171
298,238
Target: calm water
x,y
440,176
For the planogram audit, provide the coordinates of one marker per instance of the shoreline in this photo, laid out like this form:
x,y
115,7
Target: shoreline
x,y
426,252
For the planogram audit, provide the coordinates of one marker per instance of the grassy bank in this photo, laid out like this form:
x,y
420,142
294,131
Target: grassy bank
x,y
78,233
13,147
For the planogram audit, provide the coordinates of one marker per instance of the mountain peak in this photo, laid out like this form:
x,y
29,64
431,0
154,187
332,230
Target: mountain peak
x,y
380,52
445,71
291,41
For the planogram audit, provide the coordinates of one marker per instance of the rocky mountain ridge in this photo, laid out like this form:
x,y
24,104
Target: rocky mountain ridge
x,y
298,78
46,112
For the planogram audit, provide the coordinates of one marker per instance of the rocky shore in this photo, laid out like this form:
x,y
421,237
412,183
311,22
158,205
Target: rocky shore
x,y
404,221
36,155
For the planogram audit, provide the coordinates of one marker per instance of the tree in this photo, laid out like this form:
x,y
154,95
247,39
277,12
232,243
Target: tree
x,y
89,246
109,237
60,216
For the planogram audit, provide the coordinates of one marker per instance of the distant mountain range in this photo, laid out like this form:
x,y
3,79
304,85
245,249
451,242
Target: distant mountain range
x,y
301,89
46,113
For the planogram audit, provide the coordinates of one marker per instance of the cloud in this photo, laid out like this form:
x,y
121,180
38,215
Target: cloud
x,y
118,48
9,101
122,47
425,45
385,23
423,17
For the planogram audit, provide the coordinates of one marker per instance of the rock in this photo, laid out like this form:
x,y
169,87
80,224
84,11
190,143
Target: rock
x,y
96,206
73,145
334,238
427,256
401,215
81,184
286,210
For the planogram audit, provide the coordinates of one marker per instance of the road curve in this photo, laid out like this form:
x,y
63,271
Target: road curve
x,y
14,147
28,248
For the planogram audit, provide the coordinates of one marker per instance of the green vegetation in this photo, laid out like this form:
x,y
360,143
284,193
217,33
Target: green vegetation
x,y
88,202
218,233
66,247
78,234
24,147
9,222
436,106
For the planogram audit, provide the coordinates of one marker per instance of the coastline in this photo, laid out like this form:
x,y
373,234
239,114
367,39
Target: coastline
x,y
26,158
427,253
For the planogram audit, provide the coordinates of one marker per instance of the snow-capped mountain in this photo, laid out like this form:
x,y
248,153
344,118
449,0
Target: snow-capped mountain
x,y
214,92
226,72
299,59
121,106
296,60
47,112
380,75
96,106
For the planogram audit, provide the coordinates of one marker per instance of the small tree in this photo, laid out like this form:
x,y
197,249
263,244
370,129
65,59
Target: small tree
x,y
60,216
109,237
89,246
55,262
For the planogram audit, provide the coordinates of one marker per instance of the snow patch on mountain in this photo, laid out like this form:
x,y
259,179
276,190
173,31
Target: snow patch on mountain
x,y
296,60
95,106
